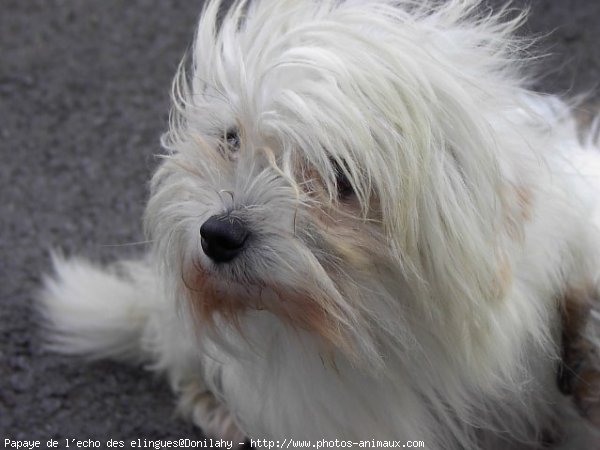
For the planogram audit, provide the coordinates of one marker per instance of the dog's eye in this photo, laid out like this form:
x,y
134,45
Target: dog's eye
x,y
232,140
344,187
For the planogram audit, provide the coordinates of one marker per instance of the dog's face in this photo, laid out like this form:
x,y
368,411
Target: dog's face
x,y
330,164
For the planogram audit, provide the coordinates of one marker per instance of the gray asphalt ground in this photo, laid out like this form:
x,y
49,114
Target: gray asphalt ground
x,y
83,100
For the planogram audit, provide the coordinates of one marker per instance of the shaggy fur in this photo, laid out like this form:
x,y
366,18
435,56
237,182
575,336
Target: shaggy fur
x,y
421,224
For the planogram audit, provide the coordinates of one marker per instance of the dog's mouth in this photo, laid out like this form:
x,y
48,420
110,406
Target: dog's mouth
x,y
227,295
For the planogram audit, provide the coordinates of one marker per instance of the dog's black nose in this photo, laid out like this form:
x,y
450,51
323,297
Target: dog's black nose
x,y
223,237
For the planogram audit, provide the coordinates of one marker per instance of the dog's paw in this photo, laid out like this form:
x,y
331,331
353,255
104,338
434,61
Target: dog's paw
x,y
211,415
216,420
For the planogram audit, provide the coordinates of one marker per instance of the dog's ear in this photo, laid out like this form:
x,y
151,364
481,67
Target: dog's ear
x,y
454,211
451,215
461,231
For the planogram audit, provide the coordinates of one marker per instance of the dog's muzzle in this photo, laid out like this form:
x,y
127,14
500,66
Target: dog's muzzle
x,y
223,237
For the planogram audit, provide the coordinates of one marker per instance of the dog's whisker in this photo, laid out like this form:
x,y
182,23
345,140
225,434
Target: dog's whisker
x,y
128,244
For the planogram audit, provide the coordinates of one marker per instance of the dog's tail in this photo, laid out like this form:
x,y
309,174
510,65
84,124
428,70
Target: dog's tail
x,y
99,312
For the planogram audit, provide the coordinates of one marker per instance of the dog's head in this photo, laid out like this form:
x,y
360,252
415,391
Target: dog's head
x,y
333,163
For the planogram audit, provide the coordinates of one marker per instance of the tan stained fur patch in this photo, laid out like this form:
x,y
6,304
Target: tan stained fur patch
x,y
302,309
579,372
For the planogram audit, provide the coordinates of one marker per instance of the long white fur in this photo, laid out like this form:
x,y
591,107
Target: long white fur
x,y
453,313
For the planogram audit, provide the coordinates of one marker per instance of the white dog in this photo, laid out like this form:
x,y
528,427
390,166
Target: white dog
x,y
366,226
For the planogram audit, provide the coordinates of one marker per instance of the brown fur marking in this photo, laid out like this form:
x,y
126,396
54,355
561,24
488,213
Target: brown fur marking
x,y
579,371
302,310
